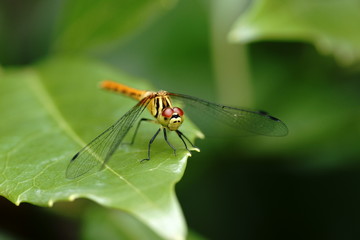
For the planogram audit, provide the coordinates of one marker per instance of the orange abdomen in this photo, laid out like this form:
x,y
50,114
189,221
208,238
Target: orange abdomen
x,y
123,89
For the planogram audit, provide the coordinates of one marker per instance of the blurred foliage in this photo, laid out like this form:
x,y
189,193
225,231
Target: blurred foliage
x,y
85,25
100,223
328,24
302,185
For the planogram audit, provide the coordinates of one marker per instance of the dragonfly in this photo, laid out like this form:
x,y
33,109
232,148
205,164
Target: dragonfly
x,y
170,118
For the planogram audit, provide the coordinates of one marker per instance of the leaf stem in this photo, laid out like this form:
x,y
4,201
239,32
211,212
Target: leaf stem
x,y
229,60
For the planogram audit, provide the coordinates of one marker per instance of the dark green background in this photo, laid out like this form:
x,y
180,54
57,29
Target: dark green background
x,y
301,186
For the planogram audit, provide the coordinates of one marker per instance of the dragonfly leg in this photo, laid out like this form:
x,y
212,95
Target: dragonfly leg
x,y
137,128
181,135
150,142
166,139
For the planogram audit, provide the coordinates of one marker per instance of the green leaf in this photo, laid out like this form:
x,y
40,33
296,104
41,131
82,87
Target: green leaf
x,y
88,25
48,112
110,224
106,223
331,25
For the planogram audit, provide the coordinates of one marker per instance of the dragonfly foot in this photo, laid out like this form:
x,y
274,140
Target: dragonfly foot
x,y
196,149
145,159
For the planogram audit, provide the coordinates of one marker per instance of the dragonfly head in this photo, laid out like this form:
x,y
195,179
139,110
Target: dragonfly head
x,y
172,118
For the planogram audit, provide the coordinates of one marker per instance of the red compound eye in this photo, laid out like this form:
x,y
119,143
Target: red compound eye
x,y
178,111
167,112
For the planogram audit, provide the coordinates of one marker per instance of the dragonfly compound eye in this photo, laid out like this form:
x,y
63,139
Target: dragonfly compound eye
x,y
167,112
178,111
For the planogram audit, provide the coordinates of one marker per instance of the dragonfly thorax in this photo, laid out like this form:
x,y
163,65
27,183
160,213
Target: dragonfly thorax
x,y
171,118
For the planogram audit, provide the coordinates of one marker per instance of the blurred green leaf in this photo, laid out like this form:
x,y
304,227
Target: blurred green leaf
x,y
88,25
105,223
328,24
50,111
99,222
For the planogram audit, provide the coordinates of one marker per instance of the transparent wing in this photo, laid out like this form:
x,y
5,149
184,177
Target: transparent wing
x,y
254,122
99,150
